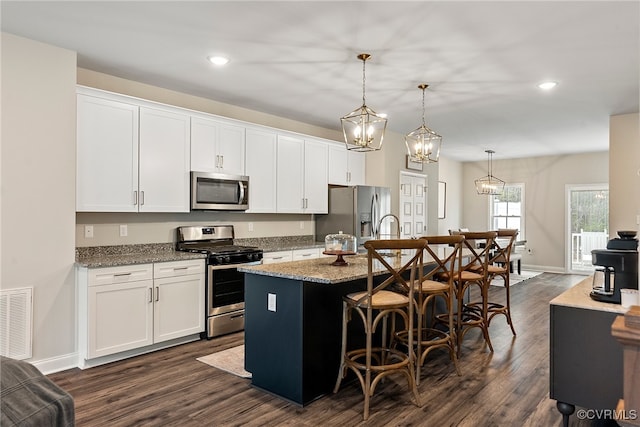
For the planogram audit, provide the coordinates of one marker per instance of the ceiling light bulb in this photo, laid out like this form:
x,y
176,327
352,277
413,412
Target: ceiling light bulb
x,y
218,60
547,85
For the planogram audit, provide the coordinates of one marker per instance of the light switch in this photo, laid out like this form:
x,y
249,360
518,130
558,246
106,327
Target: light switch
x,y
271,302
123,230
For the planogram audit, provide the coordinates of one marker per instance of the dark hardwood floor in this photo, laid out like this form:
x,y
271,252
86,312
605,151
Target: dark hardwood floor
x,y
509,387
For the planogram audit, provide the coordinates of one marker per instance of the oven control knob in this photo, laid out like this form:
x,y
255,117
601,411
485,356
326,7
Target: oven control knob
x,y
227,259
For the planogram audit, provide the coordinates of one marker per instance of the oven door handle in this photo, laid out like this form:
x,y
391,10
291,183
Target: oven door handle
x,y
229,266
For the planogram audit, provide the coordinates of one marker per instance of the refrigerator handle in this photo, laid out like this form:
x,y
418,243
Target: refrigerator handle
x,y
374,215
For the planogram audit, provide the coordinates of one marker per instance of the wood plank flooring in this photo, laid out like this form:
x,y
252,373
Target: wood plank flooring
x,y
509,387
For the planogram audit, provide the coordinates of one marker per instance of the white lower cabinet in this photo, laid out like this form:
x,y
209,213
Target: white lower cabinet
x,y
300,254
130,307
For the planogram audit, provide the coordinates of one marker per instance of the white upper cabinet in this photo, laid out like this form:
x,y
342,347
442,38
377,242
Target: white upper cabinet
x,y
131,156
164,161
316,184
345,167
107,155
302,185
290,178
217,146
261,169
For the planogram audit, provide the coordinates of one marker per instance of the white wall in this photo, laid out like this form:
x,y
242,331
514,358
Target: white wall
x,y
545,179
38,189
624,173
451,174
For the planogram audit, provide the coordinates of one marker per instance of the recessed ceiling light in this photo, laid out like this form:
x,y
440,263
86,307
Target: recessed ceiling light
x,y
218,60
547,85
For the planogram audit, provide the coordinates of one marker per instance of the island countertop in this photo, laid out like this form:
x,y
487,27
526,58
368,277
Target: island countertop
x,y
320,270
578,297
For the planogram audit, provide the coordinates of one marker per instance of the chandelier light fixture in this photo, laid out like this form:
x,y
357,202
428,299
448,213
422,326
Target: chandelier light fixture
x,y
423,144
363,128
489,185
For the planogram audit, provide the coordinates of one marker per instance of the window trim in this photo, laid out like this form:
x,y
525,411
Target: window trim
x,y
522,216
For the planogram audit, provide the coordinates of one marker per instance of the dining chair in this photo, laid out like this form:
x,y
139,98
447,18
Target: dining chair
x,y
473,273
388,298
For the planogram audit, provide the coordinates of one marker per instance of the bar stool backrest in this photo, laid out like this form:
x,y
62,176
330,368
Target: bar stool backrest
x,y
477,246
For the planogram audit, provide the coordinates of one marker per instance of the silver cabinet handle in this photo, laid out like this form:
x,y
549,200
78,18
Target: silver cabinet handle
x,y
179,268
157,293
221,162
150,294
141,198
122,274
135,197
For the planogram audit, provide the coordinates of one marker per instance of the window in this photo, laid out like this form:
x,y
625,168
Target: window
x,y
507,209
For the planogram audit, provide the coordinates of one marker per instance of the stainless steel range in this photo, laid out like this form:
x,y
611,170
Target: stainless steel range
x,y
224,284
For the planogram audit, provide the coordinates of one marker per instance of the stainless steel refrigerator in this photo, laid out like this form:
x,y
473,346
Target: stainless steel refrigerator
x,y
356,210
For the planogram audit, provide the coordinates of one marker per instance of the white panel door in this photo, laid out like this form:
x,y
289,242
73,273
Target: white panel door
x,y
107,155
413,205
261,169
164,161
290,179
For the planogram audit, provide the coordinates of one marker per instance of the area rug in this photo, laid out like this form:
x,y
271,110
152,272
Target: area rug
x,y
516,278
230,360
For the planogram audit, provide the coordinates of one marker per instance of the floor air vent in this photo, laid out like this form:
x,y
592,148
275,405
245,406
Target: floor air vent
x,y
16,308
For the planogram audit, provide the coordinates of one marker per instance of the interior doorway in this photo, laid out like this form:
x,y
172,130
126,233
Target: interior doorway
x,y
587,224
413,204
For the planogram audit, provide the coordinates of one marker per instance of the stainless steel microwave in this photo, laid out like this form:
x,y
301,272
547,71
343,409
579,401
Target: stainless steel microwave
x,y
219,192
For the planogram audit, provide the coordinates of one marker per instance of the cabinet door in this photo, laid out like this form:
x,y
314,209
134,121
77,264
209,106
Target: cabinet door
x,y
356,167
120,317
179,307
290,179
316,184
204,134
338,172
261,169
107,155
231,146
164,161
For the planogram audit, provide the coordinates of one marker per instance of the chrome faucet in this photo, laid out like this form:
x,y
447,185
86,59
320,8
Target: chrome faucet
x,y
377,235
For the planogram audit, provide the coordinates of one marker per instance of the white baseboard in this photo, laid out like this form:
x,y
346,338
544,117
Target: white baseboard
x,y
56,364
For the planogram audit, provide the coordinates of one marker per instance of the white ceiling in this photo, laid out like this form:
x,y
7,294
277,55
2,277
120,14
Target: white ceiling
x,y
482,61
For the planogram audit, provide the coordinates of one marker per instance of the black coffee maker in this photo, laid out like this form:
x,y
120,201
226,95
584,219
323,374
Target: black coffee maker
x,y
617,268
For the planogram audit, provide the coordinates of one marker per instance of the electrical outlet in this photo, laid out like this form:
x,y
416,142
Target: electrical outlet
x,y
271,302
88,231
123,230
530,251
250,226
301,225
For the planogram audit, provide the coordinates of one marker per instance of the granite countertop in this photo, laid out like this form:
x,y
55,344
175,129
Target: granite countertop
x,y
284,243
113,256
320,270
578,297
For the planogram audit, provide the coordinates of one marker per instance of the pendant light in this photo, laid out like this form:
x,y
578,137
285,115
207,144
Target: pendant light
x,y
363,128
423,144
489,185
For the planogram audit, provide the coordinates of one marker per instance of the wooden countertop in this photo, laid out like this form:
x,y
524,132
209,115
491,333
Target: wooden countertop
x,y
578,297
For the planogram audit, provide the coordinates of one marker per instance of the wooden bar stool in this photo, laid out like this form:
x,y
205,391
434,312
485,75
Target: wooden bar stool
x,y
499,266
373,306
473,272
444,252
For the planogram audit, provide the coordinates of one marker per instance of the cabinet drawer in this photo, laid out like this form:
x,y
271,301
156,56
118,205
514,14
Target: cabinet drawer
x,y
279,256
300,254
121,274
178,268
